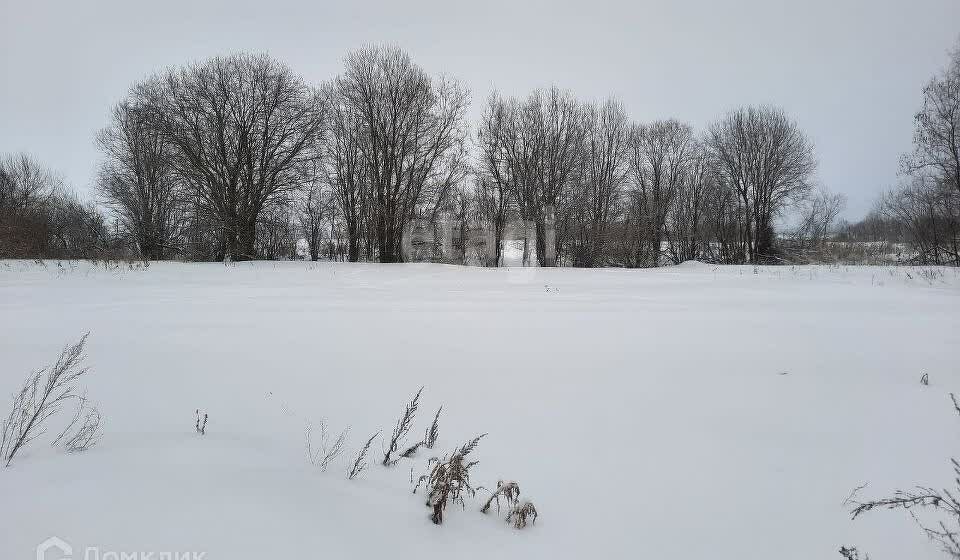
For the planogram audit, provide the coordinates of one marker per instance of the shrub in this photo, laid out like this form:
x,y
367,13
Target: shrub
x,y
42,396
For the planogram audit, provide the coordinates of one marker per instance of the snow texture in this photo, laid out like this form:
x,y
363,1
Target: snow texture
x,y
686,412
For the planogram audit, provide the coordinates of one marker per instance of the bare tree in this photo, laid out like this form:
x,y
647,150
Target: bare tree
x,y
502,166
412,133
936,137
241,126
660,155
26,190
927,205
553,122
278,231
689,217
769,162
345,169
137,181
312,207
604,174
531,155
817,216
928,212
76,229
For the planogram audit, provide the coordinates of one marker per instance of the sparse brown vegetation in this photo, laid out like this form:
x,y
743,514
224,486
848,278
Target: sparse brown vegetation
x,y
448,480
521,513
508,490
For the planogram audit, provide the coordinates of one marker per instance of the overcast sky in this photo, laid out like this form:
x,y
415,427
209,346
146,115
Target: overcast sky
x,y
850,72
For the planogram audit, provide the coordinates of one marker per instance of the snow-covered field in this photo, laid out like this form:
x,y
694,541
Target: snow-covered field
x,y
689,412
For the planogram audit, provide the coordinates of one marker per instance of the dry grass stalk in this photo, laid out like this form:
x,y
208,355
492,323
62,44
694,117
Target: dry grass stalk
x,y
327,452
360,462
433,432
400,431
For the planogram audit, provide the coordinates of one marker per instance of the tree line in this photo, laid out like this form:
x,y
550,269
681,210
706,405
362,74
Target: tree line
x,y
238,158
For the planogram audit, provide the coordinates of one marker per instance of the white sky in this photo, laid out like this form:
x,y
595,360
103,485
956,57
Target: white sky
x,y
849,71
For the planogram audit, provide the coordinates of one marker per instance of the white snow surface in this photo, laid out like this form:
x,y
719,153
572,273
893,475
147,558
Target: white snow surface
x,y
686,412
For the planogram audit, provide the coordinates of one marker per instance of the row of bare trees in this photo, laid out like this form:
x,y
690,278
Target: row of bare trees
x,y
196,158
40,217
238,158
629,194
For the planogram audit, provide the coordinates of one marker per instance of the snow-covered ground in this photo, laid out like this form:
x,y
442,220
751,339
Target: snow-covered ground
x,y
687,412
